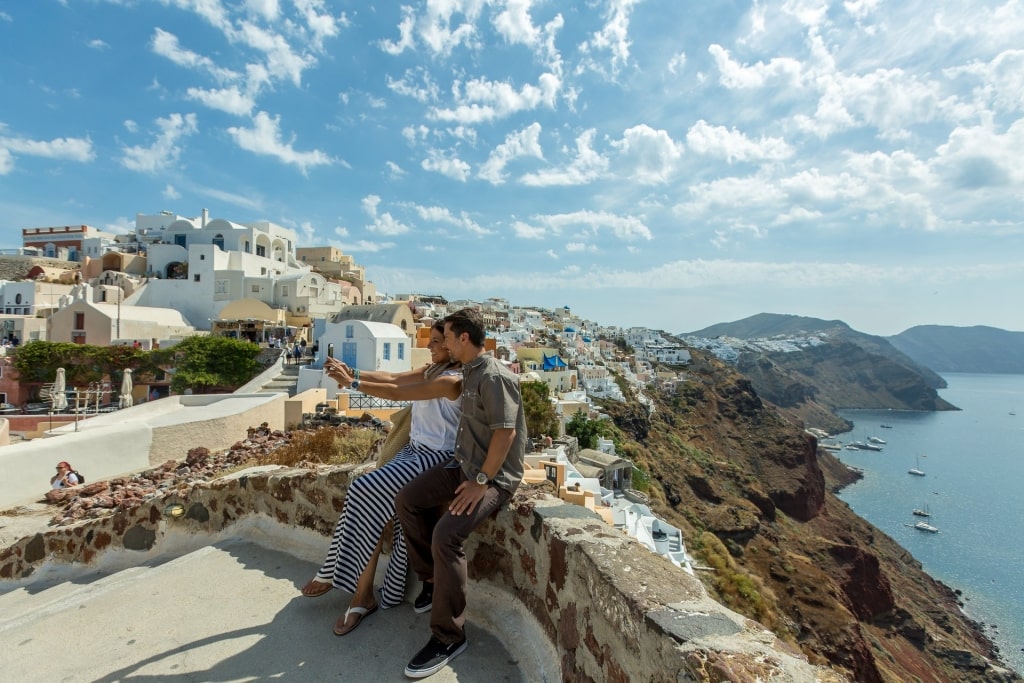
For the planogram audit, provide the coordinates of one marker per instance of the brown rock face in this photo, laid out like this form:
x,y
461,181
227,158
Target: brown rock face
x,y
796,558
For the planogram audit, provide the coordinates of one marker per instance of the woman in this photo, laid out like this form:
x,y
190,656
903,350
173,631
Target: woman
x,y
65,476
370,502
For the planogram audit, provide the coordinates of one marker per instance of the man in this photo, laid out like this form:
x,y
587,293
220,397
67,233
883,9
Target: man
x,y
488,465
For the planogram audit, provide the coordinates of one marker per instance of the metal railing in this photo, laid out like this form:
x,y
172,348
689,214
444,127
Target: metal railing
x,y
366,402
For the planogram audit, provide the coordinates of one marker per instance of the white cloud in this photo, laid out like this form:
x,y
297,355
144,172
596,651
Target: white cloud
x,y
165,150
230,100
383,223
999,82
6,161
394,170
650,155
265,138
69,149
453,167
435,27
521,143
121,226
584,224
386,224
526,231
481,100
586,167
406,40
307,233
676,63
266,9
319,21
363,246
440,214
97,44
170,192
861,9
779,70
514,23
281,60
166,45
249,201
748,192
415,83
732,145
370,203
612,38
979,157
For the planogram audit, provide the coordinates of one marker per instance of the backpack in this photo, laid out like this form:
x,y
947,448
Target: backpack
x,y
81,479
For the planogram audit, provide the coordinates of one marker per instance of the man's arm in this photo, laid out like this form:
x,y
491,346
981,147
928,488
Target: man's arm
x,y
469,493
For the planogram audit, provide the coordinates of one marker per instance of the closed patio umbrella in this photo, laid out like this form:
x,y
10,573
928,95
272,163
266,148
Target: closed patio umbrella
x,y
58,394
125,399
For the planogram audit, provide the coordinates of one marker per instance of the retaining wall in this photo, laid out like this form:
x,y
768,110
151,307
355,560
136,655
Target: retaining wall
x,y
612,610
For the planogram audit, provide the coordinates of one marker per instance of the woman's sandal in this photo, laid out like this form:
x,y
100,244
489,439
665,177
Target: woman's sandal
x,y
341,626
315,589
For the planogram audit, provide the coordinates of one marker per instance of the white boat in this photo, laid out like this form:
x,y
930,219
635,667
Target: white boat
x,y
925,526
875,439
916,470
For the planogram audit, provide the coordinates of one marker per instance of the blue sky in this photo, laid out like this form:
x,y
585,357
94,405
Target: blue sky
x,y
645,162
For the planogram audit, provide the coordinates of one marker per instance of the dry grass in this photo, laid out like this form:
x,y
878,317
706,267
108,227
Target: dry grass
x,y
326,446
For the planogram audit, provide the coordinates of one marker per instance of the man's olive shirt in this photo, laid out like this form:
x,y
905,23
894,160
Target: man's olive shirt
x,y
490,400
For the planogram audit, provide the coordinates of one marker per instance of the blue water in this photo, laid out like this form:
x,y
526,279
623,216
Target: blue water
x,y
973,461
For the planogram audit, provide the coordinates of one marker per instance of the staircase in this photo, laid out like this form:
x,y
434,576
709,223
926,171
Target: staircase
x,y
285,382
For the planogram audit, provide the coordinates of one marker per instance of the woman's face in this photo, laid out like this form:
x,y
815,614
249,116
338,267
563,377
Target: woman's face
x,y
438,353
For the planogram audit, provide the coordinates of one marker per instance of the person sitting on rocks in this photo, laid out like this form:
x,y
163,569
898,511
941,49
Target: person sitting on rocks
x,y
65,476
435,392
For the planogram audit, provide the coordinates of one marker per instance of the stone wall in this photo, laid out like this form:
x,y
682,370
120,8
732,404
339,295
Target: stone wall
x,y
612,610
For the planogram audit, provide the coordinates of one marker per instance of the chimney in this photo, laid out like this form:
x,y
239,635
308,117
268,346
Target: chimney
x,y
206,217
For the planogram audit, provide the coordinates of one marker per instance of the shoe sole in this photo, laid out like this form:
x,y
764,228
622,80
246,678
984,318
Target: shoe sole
x,y
359,619
423,673
421,610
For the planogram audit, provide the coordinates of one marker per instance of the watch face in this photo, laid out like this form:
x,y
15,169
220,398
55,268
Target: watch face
x,y
481,478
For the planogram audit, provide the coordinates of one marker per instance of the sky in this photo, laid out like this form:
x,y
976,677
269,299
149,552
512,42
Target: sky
x,y
655,163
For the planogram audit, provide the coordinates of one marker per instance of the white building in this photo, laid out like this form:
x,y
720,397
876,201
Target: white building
x,y
359,344
202,265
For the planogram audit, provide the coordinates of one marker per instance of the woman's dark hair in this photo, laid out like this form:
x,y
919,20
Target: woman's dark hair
x,y
468,321
436,369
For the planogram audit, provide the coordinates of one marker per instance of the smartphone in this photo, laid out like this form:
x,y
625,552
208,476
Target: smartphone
x,y
330,350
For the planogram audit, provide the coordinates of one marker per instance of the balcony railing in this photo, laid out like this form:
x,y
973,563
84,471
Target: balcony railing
x,y
357,401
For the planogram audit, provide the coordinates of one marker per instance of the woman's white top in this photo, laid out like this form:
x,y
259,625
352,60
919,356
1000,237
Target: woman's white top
x,y
435,421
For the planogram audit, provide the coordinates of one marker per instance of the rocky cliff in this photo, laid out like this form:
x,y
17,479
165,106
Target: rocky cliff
x,y
755,498
812,383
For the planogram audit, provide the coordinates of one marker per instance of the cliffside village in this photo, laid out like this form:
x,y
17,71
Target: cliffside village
x,y
175,276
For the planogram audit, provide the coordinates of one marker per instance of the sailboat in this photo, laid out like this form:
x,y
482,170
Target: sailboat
x,y
923,512
925,526
916,470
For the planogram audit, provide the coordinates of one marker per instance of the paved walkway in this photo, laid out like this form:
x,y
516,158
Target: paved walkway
x,y
232,611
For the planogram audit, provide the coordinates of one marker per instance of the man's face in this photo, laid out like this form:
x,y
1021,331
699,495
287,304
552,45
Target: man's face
x,y
451,342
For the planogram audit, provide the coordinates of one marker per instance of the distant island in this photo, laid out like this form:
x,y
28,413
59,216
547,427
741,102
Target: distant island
x,y
980,349
811,368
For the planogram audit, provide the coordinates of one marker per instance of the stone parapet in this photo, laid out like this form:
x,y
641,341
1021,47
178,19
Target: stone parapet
x,y
612,610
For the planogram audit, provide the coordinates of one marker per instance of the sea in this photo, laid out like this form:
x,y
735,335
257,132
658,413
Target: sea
x,y
973,460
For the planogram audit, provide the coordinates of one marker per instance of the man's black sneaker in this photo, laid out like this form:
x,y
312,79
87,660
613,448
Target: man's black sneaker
x,y
433,657
425,599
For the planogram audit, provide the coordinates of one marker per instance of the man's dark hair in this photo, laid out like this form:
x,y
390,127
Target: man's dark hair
x,y
470,321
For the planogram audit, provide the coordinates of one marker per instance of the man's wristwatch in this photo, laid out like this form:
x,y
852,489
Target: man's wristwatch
x,y
482,479
354,385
